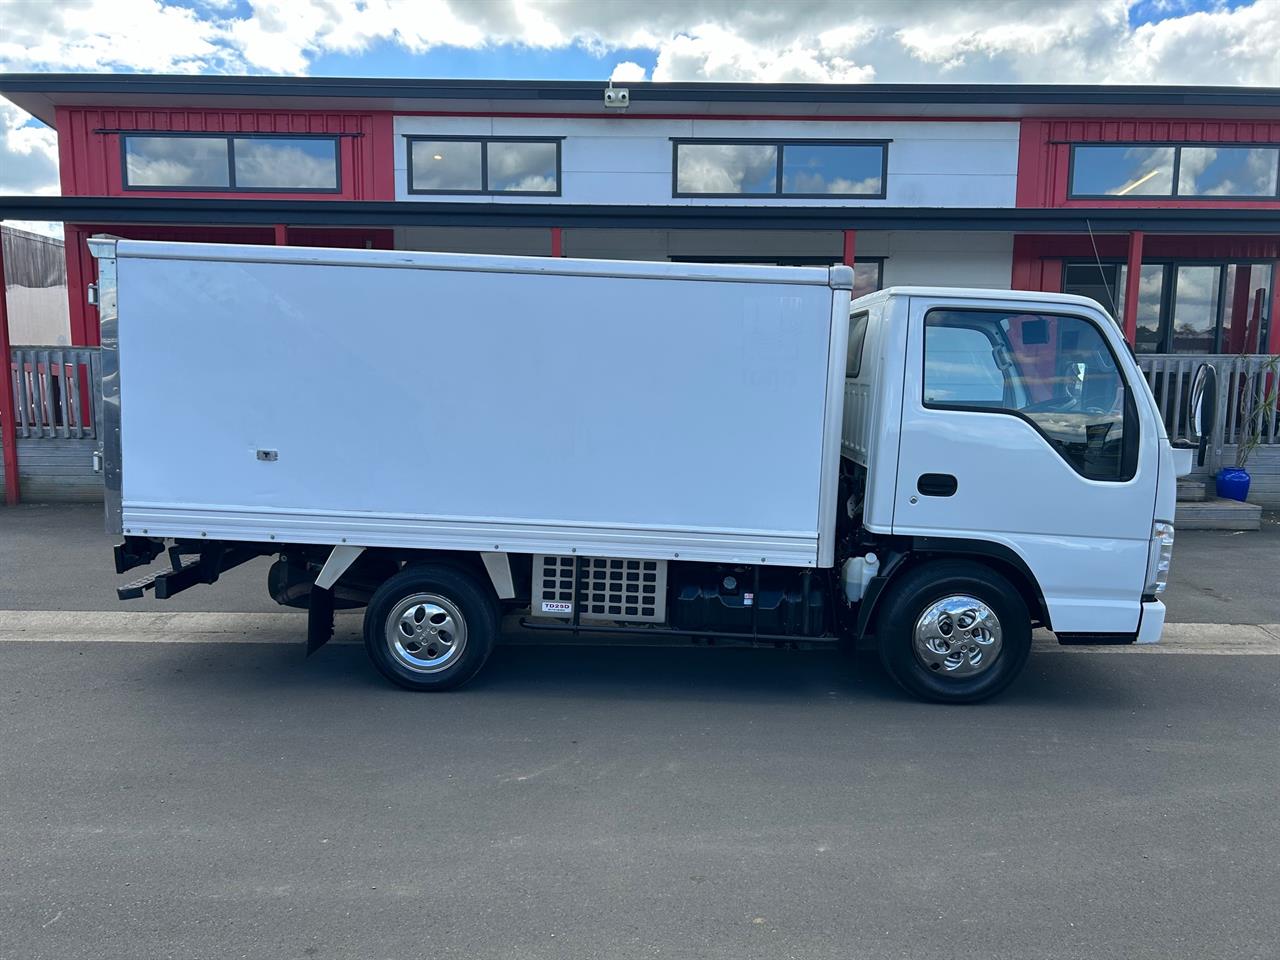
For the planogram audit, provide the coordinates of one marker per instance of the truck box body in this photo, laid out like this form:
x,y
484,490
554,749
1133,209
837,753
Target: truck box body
x,y
479,403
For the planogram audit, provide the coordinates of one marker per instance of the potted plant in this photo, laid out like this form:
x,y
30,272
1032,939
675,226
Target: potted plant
x,y
1257,411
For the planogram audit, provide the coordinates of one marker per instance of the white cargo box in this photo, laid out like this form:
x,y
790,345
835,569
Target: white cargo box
x,y
393,398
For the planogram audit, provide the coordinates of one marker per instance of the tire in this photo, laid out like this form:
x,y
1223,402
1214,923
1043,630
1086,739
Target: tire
x,y
430,627
941,646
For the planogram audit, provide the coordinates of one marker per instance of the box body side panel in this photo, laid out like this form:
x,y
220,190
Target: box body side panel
x,y
434,408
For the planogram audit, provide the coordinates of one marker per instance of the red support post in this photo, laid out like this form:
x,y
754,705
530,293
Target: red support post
x,y
850,240
282,235
8,422
557,241
1273,325
1132,287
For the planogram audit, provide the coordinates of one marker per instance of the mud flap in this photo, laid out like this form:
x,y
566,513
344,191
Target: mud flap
x,y
319,619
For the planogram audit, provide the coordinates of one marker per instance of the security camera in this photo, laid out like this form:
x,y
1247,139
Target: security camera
x,y
618,97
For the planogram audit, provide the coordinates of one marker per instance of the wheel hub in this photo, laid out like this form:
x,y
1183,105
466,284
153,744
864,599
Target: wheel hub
x,y
957,636
426,632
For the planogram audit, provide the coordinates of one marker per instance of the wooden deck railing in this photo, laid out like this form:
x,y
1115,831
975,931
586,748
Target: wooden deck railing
x,y
1239,377
56,392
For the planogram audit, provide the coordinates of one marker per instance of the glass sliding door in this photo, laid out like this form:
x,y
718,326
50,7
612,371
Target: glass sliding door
x,y
1246,301
1195,309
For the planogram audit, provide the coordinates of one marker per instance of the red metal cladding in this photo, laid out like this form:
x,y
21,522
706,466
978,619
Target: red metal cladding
x,y
1044,156
89,146
850,244
1030,246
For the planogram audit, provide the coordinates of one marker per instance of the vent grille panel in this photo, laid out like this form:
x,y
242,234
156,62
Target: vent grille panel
x,y
610,589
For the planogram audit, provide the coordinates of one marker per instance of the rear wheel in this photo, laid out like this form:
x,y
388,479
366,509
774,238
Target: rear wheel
x,y
953,632
430,627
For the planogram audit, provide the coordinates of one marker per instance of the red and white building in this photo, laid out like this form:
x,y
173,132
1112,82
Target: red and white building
x,y
1161,202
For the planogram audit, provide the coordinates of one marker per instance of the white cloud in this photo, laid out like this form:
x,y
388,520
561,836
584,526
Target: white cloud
x,y
28,154
766,40
715,52
147,35
628,71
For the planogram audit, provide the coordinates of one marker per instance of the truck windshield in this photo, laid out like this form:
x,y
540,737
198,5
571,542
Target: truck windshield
x,y
1054,371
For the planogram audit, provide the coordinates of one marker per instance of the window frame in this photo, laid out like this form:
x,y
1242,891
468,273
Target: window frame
x,y
230,139
781,145
484,140
1130,442
1177,146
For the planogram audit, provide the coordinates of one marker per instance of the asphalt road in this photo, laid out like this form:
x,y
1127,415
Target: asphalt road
x,y
215,801
58,558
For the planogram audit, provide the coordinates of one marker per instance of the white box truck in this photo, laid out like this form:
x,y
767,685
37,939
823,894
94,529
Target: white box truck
x,y
630,449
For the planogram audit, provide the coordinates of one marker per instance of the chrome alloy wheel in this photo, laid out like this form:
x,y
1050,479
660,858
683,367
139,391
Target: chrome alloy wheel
x,y
426,632
957,636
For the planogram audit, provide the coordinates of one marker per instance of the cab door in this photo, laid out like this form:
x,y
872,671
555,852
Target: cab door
x,y
1020,427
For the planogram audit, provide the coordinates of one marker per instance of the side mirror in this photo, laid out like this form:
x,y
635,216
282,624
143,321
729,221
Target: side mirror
x,y
1202,411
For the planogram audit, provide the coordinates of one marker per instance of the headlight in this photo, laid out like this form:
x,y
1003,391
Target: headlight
x,y
1158,556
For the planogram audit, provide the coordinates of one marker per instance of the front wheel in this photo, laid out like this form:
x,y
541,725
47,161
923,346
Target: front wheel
x,y
953,632
430,627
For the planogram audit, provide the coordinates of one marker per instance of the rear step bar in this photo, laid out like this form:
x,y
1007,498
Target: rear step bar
x,y
161,580
190,564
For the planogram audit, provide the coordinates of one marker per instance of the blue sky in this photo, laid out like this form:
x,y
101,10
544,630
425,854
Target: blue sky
x,y
1232,42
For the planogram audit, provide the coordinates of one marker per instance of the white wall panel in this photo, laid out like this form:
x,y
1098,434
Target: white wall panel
x,y
523,242
628,161
601,154
942,258
935,258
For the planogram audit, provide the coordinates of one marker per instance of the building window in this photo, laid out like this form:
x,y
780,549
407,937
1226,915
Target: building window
x,y
1185,307
779,168
277,164
1053,371
1227,171
1204,171
490,165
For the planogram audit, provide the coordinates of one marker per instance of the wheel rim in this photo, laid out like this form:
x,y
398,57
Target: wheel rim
x,y
958,637
426,632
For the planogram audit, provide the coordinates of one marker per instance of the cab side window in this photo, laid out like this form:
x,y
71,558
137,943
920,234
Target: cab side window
x,y
857,340
1054,371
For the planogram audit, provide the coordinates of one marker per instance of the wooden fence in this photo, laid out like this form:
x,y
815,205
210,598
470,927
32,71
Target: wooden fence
x,y
56,394
1239,378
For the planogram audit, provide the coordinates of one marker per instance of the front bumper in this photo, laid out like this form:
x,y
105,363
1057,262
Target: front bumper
x,y
1151,624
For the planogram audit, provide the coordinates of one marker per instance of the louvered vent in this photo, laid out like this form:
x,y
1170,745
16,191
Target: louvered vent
x,y
633,590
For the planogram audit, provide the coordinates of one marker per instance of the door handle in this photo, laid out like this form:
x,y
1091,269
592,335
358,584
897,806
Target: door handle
x,y
937,484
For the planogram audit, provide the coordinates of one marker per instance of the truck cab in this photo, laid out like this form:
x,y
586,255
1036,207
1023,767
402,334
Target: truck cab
x,y
1013,432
